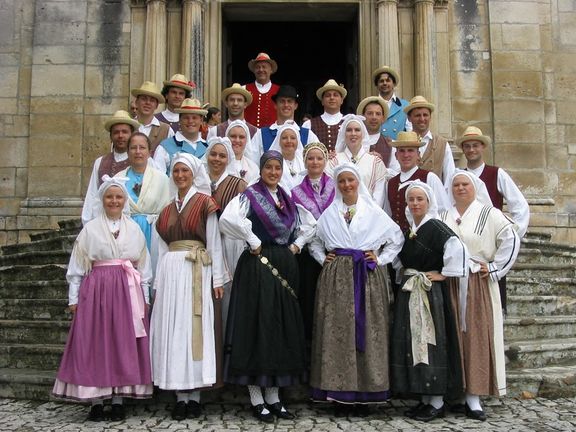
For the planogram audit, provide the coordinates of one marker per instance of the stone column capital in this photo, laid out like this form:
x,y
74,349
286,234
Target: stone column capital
x,y
382,2
423,1
155,1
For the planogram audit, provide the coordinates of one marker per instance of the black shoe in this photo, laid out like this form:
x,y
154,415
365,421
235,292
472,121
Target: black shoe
x,y
458,408
258,411
361,410
117,413
411,412
279,411
194,409
428,413
179,411
342,410
476,414
96,413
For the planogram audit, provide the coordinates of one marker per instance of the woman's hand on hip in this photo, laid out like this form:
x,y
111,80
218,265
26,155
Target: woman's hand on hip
x,y
218,292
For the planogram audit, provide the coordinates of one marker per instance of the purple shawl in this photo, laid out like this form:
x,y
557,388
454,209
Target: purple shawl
x,y
305,195
278,222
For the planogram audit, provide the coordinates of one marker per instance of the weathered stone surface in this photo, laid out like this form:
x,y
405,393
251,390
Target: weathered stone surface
x,y
14,152
472,109
7,182
66,104
58,54
9,81
58,80
518,111
520,36
60,33
67,181
517,60
512,12
517,83
518,132
567,24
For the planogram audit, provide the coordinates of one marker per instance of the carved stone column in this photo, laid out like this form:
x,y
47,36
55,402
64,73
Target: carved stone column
x,y
424,48
192,56
388,43
155,41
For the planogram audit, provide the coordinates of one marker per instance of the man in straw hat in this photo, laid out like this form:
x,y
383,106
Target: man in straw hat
x,y
261,112
286,104
147,99
188,139
120,126
175,91
386,79
499,184
375,110
236,99
326,125
435,154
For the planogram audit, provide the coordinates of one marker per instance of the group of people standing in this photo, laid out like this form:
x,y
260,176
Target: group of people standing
x,y
276,255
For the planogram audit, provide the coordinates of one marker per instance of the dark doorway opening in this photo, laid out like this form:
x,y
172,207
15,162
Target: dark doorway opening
x,y
308,52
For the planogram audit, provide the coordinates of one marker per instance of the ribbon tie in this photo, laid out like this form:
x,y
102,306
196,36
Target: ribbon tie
x,y
421,322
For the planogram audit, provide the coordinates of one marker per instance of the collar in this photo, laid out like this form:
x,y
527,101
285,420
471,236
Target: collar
x,y
154,122
425,219
331,119
263,88
406,175
373,139
170,116
477,171
119,157
180,137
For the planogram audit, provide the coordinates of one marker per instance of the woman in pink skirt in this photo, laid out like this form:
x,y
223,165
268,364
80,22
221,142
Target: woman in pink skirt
x,y
107,353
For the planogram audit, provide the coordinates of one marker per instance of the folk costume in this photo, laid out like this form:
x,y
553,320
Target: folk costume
x,y
292,169
107,352
178,144
350,336
244,167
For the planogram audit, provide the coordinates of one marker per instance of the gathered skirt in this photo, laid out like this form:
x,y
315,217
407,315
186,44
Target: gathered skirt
x,y
103,357
264,342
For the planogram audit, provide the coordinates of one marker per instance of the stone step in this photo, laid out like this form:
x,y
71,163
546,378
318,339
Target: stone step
x,y
44,272
26,383
540,352
529,306
549,382
543,271
35,258
547,255
67,227
34,309
61,242
539,286
34,289
537,236
31,356
32,332
542,327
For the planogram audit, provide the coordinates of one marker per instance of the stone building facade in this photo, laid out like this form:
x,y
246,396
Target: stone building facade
x,y
508,67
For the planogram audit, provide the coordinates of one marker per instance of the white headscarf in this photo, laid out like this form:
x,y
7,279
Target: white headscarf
x,y
297,165
432,212
244,126
227,145
299,147
107,183
480,191
200,182
362,189
341,138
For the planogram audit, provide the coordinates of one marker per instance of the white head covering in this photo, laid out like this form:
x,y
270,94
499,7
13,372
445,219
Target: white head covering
x,y
480,191
341,138
351,168
432,212
244,126
294,127
107,183
201,181
296,165
227,145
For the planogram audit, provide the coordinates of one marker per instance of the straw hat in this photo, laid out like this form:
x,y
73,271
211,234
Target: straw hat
x,y
419,102
372,99
192,106
389,71
472,133
262,57
121,117
180,81
237,89
148,88
407,139
331,85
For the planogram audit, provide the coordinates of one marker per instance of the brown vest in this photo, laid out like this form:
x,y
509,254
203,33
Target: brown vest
x,y
382,147
397,197
433,157
157,134
108,165
326,134
490,178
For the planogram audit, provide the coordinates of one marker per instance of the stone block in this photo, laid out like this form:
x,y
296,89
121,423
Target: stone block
x,y
60,33
9,81
55,151
14,152
35,222
526,155
24,82
520,36
517,60
567,183
543,220
7,182
21,182
7,24
8,105
59,11
56,181
560,62
535,183
472,84
58,125
555,134
566,28
565,86
107,34
514,12
9,59
518,111
105,11
517,84
566,111
549,112
96,106
9,207
58,54
102,82
557,159
20,127
2,223
94,125
58,80
59,105
115,55
518,132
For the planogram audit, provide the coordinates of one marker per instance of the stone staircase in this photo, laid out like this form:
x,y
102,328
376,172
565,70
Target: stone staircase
x,y
540,329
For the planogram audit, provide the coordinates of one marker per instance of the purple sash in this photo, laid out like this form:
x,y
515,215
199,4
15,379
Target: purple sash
x,y
360,274
305,195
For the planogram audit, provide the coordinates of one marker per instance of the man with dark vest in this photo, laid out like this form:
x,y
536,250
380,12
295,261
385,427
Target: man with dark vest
x,y
375,110
386,79
435,154
175,91
499,184
326,125
261,112
120,126
408,156
236,99
187,140
286,103
147,99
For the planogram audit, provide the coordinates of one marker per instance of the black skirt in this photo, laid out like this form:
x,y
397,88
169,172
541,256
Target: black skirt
x,y
309,273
